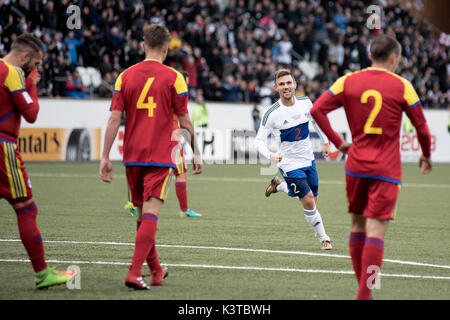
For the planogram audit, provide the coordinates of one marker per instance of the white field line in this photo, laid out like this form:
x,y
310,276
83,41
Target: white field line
x,y
252,268
226,179
305,253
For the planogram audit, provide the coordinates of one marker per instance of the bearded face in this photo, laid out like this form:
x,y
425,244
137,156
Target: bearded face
x,y
31,62
28,67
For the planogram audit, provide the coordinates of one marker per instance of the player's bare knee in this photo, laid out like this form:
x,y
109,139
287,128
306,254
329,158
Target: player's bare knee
x,y
358,223
152,205
308,201
20,203
376,228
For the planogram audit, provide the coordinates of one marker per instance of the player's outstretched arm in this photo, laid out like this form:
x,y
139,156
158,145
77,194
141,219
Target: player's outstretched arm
x,y
106,171
197,161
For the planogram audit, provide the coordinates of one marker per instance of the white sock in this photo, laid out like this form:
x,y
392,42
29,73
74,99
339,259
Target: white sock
x,y
315,221
283,187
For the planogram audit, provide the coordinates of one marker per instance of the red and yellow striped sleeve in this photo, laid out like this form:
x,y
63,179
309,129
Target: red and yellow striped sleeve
x,y
181,96
327,102
414,111
117,103
26,104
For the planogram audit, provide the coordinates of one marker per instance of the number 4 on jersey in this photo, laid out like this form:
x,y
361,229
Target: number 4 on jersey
x,y
150,105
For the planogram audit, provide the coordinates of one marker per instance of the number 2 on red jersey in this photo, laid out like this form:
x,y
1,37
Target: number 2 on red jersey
x,y
368,128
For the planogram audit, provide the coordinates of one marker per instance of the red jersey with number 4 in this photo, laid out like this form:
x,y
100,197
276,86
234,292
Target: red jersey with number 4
x,y
374,100
150,93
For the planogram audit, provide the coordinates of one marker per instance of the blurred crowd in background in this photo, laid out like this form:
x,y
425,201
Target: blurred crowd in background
x,y
230,49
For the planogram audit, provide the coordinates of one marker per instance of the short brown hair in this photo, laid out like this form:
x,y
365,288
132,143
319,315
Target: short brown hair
x,y
156,35
27,42
281,73
383,46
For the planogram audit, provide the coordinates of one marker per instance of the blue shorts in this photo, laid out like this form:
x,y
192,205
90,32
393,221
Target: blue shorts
x,y
301,181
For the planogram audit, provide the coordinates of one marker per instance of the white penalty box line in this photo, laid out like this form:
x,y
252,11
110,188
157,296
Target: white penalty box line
x,y
288,252
247,268
224,179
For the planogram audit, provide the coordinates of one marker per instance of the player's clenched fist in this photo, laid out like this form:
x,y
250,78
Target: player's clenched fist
x,y
425,164
276,157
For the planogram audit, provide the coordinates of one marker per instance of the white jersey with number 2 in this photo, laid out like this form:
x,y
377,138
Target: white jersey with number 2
x,y
290,127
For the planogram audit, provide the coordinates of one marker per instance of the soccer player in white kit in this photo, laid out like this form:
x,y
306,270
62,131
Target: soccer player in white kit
x,y
288,120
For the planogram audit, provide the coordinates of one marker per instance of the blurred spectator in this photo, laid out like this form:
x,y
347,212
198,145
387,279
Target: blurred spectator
x,y
59,76
22,25
72,44
256,115
230,90
245,39
340,19
50,16
106,88
284,56
74,87
214,89
265,94
332,74
43,86
200,115
191,65
106,65
336,51
115,39
135,53
215,62
57,46
175,42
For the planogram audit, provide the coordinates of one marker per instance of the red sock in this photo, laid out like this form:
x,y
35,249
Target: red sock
x,y
181,191
356,245
31,236
153,260
145,239
138,224
372,257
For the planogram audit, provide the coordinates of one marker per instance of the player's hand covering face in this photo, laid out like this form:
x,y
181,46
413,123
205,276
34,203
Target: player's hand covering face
x,y
31,64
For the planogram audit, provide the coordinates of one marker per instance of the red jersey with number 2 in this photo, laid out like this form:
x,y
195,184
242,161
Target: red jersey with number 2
x,y
374,100
150,93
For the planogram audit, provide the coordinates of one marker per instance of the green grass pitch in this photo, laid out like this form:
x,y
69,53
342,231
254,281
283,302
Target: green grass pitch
x,y
245,247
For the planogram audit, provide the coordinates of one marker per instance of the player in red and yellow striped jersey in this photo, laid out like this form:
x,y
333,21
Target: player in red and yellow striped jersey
x,y
150,93
374,100
180,172
18,97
